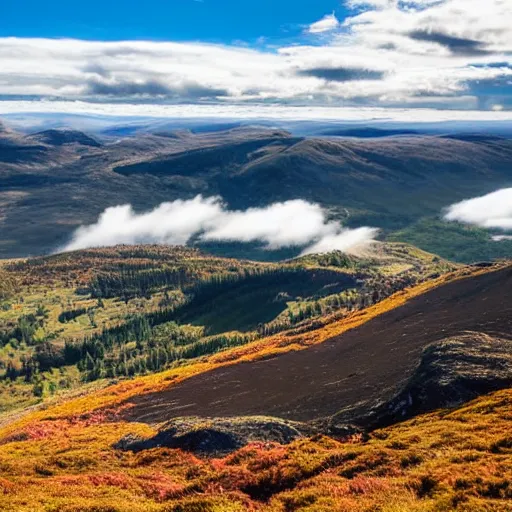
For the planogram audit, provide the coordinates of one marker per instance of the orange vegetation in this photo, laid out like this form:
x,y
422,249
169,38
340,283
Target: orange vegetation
x,y
267,347
62,459
449,460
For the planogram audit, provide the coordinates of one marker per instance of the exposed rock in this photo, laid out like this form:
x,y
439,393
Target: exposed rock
x,y
217,436
451,372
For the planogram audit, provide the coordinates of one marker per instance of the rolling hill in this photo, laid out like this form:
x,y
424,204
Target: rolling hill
x,y
54,181
345,378
62,137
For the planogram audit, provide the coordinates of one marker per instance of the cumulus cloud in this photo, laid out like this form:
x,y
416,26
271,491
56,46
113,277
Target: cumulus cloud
x,y
492,211
288,224
326,24
409,53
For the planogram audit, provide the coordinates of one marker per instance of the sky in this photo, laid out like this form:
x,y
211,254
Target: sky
x,y
214,21
442,55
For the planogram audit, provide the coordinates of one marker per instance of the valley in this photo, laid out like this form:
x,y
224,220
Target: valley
x,y
223,375
55,181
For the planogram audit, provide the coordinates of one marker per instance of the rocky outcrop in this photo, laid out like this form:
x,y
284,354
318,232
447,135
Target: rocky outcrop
x,y
217,436
451,372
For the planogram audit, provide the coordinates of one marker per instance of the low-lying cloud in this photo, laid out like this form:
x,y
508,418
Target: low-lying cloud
x,y
294,223
492,211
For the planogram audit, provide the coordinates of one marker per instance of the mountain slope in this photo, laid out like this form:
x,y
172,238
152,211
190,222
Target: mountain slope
x,y
346,376
131,310
71,456
358,174
57,180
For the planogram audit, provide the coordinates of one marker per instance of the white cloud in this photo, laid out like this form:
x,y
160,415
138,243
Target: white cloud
x,y
252,112
292,223
345,240
492,211
171,223
419,51
326,24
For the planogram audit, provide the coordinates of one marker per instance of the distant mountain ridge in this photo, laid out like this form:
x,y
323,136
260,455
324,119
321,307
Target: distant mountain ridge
x,y
61,137
392,183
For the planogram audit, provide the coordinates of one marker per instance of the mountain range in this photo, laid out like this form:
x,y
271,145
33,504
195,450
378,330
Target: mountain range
x,y
227,376
52,182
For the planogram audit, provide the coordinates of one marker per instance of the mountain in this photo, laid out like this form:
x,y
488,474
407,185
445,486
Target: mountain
x,y
49,187
61,137
393,401
345,378
358,174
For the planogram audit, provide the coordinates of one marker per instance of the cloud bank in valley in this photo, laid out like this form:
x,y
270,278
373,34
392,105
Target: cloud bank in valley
x,y
287,224
492,211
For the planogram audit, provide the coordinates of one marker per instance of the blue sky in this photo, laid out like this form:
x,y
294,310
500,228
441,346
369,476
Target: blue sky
x,y
386,54
221,21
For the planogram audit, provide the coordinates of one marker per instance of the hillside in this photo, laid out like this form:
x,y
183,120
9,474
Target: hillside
x,y
130,310
348,376
102,451
61,137
399,184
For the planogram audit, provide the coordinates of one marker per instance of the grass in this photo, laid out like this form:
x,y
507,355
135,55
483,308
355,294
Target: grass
x,y
445,461
60,457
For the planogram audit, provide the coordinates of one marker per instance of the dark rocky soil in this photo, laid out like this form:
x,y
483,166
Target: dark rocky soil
x,y
451,372
356,373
